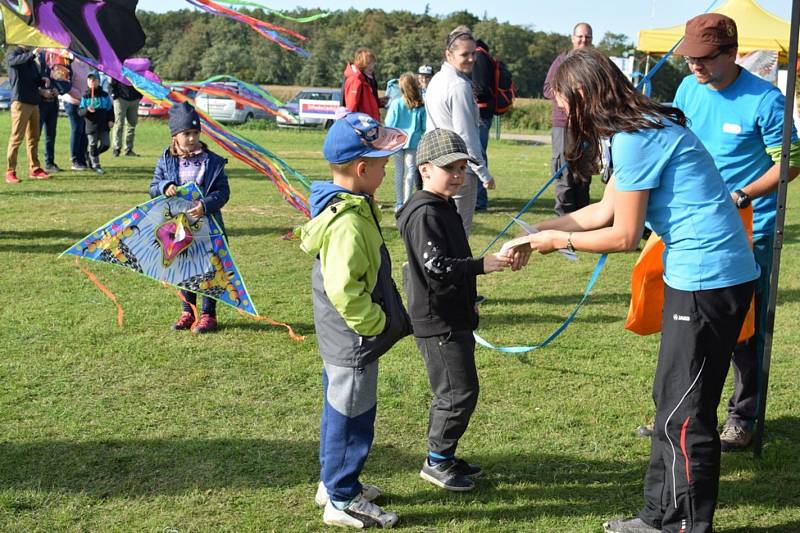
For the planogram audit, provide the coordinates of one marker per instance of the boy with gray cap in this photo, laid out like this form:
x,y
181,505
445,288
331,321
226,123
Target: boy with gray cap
x,y
441,301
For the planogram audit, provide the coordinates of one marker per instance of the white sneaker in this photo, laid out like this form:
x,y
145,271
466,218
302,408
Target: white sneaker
x,y
360,514
368,492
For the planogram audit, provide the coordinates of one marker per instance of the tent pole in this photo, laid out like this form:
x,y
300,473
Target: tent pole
x,y
780,219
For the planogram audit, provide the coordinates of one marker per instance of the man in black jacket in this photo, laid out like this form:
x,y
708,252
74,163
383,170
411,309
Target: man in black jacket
x,y
483,85
24,77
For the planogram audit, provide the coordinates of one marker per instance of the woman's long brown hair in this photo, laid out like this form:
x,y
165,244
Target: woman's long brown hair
x,y
409,89
601,102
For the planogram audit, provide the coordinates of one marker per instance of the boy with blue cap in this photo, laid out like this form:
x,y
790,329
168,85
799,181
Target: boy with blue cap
x,y
358,313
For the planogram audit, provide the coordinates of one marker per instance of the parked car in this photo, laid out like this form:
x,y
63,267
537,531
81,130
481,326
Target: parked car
x,y
5,95
225,109
148,109
291,109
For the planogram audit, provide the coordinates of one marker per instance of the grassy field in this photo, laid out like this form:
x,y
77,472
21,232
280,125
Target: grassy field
x,y
143,429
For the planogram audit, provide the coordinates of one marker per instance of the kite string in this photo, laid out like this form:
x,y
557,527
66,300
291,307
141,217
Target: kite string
x,y
105,290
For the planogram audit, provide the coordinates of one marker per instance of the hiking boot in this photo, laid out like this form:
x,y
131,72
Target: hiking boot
x,y
39,174
734,438
628,525
447,475
52,168
131,153
206,324
184,322
360,514
368,492
11,177
78,166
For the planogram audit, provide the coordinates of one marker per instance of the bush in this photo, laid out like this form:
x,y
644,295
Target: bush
x,y
528,114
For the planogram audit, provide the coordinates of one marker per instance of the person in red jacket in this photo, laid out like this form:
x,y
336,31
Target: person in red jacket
x,y
360,87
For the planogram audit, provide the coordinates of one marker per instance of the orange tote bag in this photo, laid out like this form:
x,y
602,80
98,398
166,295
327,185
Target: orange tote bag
x,y
647,287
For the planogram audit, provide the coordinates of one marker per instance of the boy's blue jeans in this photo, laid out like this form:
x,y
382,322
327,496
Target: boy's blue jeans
x,y
48,120
350,397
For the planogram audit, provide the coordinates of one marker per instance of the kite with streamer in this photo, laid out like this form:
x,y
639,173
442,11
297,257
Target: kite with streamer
x,y
276,34
248,152
105,32
160,240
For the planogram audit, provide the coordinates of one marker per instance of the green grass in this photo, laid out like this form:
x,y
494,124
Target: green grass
x,y
143,429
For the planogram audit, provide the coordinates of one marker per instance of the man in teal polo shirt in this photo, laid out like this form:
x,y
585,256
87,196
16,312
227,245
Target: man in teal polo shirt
x,y
739,119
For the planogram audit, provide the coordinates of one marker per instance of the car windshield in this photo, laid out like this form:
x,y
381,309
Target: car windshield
x,y
311,95
5,86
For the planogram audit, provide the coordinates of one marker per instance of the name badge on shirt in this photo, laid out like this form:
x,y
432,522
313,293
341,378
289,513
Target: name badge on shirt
x,y
736,129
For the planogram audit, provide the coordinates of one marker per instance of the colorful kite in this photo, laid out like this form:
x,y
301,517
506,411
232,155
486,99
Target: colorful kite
x,y
265,29
161,241
106,32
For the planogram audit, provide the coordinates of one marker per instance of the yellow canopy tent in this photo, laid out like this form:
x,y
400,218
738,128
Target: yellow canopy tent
x,y
758,30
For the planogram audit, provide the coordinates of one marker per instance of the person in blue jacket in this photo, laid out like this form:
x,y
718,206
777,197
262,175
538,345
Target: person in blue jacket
x,y
189,160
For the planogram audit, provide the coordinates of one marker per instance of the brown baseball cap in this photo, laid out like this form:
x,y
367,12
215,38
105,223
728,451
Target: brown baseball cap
x,y
705,34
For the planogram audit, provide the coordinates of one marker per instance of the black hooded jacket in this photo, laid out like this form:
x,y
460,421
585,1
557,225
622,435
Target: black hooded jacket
x,y
441,284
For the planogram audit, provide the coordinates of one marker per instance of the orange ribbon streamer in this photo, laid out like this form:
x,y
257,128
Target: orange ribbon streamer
x,y
104,289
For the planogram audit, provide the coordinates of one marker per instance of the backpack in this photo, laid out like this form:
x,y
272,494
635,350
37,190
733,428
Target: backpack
x,y
503,89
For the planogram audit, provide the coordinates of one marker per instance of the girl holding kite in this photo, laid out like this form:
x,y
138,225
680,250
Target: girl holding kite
x,y
665,179
188,160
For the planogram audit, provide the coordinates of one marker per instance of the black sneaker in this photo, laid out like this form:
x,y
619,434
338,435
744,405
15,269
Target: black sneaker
x,y
466,469
116,153
447,475
131,153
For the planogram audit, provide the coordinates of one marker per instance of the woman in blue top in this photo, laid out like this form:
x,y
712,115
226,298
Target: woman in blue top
x,y
665,179
408,114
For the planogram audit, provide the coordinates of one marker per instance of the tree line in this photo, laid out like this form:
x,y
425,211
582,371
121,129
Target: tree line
x,y
192,45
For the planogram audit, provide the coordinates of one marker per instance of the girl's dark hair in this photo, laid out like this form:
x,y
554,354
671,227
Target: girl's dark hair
x,y
601,102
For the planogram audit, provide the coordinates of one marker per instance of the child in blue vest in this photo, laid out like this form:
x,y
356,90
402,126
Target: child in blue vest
x,y
188,160
98,113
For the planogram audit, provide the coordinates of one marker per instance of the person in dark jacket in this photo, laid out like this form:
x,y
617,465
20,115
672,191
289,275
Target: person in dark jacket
x,y
188,160
98,116
56,77
441,301
25,80
483,86
126,110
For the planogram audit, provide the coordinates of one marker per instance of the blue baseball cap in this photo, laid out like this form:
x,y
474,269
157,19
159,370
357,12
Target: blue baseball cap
x,y
357,135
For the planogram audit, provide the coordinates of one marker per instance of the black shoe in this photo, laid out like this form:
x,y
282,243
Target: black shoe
x,y
446,475
116,153
629,525
466,469
131,153
479,299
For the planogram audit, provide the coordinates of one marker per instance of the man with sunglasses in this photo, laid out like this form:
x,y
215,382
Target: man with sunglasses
x,y
739,118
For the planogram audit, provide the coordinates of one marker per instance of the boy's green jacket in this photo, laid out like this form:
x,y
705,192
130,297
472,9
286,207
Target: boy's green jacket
x,y
346,238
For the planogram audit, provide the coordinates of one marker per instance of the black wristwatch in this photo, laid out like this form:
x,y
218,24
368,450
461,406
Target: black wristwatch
x,y
742,200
